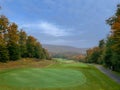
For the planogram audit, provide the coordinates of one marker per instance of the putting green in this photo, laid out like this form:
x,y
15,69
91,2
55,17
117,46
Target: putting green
x,y
42,78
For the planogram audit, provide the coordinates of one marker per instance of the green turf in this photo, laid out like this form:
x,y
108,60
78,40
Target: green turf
x,y
60,76
63,60
42,78
81,65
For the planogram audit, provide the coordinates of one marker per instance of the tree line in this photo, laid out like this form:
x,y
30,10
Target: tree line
x,y
16,44
108,50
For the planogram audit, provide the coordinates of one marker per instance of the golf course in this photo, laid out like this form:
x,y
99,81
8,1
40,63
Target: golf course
x,y
58,74
59,44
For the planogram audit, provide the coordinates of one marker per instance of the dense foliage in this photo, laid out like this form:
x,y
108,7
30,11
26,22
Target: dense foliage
x,y
15,44
108,51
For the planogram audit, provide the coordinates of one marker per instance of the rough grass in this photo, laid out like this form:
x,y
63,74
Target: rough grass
x,y
56,76
27,62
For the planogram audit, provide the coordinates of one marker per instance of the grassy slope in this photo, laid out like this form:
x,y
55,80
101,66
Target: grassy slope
x,y
62,70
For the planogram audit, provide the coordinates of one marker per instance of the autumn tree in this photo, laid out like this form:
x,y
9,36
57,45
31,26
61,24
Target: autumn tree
x,y
4,56
31,41
114,22
38,50
13,42
93,55
101,47
45,54
35,50
22,42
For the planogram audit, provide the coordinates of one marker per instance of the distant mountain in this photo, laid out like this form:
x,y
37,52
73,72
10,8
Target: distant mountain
x,y
64,49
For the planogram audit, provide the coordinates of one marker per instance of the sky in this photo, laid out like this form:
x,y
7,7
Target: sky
x,y
77,23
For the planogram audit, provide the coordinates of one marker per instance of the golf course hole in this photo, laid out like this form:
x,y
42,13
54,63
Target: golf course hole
x,y
42,78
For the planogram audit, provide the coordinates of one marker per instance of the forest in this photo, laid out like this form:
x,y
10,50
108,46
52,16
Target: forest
x,y
108,50
16,44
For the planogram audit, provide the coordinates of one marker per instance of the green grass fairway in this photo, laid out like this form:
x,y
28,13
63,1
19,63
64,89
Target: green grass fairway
x,y
59,76
63,60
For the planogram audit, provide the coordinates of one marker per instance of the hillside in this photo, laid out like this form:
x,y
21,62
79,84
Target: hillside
x,y
64,49
67,52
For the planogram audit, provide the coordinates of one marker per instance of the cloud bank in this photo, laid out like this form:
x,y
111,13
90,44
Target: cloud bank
x,y
47,28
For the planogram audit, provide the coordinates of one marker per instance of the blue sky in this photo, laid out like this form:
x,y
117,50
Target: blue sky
x,y
78,23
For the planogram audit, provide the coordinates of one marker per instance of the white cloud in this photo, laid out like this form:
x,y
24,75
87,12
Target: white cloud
x,y
52,29
47,28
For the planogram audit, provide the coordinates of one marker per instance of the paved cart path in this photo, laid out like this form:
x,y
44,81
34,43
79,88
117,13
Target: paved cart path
x,y
109,73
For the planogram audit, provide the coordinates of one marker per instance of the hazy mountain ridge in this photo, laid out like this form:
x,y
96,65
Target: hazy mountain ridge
x,y
64,49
